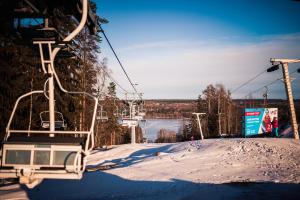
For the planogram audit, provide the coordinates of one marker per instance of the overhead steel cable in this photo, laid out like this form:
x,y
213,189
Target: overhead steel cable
x,y
249,81
112,79
134,88
271,83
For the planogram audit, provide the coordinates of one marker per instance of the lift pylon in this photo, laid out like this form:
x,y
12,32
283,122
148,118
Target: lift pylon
x,y
288,89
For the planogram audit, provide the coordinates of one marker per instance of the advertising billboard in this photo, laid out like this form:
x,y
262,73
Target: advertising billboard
x,y
260,120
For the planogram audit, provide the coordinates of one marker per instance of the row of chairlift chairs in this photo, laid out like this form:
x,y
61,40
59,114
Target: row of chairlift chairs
x,y
123,117
134,114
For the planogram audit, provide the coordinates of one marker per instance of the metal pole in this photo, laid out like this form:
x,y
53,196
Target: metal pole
x,y
133,110
265,95
199,124
51,101
130,110
219,117
289,94
132,134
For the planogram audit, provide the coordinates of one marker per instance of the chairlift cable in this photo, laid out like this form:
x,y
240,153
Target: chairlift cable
x,y
271,83
126,74
113,80
248,81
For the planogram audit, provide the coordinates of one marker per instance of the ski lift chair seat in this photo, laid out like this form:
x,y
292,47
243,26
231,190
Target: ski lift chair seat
x,y
46,157
102,116
59,122
39,140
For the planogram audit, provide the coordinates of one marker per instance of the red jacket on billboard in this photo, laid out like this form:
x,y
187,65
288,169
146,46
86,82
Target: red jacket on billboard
x,y
268,124
268,128
275,123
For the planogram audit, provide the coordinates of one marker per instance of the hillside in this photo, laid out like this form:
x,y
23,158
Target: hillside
x,y
211,169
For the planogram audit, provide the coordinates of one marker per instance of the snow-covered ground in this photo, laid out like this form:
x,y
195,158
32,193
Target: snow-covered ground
x,y
265,168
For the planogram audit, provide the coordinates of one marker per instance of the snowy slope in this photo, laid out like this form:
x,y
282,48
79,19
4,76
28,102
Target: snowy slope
x,y
209,169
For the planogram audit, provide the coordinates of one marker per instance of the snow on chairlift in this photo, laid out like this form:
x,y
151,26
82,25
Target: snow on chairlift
x,y
59,120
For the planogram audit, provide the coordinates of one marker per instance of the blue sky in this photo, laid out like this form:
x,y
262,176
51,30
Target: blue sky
x,y
175,48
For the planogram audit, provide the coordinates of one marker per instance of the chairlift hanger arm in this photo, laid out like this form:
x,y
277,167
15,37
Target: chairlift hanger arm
x,y
273,60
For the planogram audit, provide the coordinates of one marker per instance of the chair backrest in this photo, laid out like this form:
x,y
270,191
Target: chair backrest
x,y
102,115
59,120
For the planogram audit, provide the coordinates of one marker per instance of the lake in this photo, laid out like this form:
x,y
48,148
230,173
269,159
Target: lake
x,y
152,127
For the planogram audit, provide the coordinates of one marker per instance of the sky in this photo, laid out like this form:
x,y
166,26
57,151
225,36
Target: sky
x,y
173,49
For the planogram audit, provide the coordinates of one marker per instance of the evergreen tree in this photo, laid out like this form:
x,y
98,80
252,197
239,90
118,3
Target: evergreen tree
x,y
112,89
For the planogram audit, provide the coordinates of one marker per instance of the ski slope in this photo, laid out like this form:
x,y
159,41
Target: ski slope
x,y
263,168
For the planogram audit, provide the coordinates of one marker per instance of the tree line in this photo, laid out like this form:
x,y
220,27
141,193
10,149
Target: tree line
x,y
222,117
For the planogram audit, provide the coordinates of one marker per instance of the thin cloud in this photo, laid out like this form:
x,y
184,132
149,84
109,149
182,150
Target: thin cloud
x,y
151,45
182,69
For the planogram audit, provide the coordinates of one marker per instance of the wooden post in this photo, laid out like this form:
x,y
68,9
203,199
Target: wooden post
x,y
288,89
289,94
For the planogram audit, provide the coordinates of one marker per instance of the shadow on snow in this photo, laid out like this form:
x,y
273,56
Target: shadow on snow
x,y
135,157
101,185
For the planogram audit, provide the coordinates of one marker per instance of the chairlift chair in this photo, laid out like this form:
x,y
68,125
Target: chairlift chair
x,y
102,115
124,114
140,109
59,120
142,113
120,116
36,155
129,122
116,112
138,117
53,154
125,120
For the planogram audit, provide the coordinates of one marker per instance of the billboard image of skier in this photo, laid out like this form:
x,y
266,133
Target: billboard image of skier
x,y
261,121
